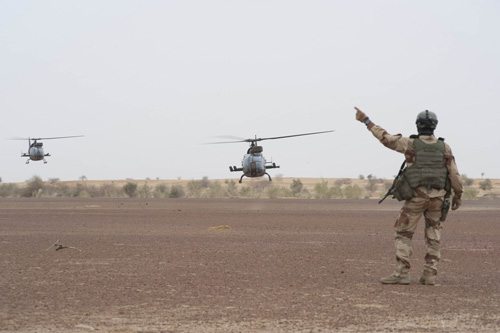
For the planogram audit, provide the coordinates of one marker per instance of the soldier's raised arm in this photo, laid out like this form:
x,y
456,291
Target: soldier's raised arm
x,y
395,142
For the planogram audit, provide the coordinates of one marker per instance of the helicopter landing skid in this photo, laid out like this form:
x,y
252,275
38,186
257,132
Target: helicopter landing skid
x,y
44,161
270,179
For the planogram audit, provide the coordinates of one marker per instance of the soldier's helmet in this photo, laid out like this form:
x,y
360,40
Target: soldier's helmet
x,y
426,121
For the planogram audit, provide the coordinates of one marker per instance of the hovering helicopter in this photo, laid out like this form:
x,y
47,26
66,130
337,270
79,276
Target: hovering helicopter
x,y
254,164
35,151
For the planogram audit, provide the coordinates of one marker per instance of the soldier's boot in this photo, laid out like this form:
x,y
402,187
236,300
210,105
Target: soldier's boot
x,y
396,278
401,275
427,278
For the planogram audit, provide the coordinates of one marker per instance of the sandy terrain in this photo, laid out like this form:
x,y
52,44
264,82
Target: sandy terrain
x,y
236,265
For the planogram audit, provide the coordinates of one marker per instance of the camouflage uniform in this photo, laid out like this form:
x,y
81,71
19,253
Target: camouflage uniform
x,y
424,201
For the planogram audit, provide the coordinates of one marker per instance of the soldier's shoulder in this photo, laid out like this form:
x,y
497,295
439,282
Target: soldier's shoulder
x,y
447,148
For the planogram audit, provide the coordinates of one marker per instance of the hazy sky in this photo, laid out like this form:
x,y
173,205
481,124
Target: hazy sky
x,y
148,82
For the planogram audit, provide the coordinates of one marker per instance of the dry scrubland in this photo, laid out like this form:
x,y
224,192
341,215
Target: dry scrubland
x,y
222,264
233,265
304,188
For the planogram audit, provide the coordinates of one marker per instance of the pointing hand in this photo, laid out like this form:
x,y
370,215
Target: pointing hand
x,y
360,115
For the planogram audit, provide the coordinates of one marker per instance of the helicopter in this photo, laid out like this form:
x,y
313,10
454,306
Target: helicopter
x,y
35,151
254,164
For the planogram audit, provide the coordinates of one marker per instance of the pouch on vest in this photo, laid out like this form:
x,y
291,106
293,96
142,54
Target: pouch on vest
x,y
402,189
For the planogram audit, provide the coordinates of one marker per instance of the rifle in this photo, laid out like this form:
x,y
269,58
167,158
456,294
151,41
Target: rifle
x,y
445,207
394,183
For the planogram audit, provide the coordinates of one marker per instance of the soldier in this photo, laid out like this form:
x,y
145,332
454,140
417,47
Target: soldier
x,y
431,172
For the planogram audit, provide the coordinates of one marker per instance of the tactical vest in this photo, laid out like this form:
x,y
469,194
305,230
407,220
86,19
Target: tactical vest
x,y
429,168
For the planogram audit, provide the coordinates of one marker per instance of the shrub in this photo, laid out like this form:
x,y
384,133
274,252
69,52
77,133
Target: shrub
x,y
205,183
470,194
194,188
372,183
273,192
93,191
467,181
130,189
336,192
232,190
305,194
246,192
177,191
321,190
33,188
486,185
59,189
216,190
287,192
110,191
161,191
296,187
259,187
145,191
8,190
80,191
353,192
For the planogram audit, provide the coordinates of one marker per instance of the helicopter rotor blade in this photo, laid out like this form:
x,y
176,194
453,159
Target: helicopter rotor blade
x,y
233,137
55,137
271,138
59,137
290,136
216,143
238,139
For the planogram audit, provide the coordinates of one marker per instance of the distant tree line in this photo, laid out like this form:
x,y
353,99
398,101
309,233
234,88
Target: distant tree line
x,y
205,188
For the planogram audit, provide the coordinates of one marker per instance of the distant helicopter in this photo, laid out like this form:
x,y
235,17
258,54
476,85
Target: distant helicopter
x,y
254,164
35,152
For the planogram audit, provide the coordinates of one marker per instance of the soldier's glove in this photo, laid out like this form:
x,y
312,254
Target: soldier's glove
x,y
361,116
457,202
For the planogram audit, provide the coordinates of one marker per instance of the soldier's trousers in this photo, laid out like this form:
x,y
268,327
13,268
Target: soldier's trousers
x,y
405,227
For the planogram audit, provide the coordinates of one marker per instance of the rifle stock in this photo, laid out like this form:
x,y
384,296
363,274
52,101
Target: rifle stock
x,y
396,180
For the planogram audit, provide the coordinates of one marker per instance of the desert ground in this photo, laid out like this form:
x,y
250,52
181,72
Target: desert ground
x,y
238,265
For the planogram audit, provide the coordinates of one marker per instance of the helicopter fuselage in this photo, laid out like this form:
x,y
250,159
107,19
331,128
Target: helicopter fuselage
x,y
35,152
254,164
